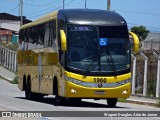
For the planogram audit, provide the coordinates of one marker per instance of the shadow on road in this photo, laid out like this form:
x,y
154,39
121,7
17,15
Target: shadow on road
x,y
52,101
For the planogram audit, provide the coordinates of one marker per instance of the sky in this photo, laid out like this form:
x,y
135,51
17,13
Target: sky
x,y
135,12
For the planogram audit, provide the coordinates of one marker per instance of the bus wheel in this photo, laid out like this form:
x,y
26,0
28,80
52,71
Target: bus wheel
x,y
112,102
59,100
28,93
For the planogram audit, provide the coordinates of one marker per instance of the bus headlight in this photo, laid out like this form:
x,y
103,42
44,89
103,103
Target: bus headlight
x,y
124,92
73,91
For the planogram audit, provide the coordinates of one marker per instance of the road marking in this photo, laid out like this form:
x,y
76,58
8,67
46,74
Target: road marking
x,y
11,107
47,118
158,118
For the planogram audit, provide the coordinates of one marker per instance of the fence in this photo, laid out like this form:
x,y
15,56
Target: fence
x,y
146,74
8,58
150,46
145,77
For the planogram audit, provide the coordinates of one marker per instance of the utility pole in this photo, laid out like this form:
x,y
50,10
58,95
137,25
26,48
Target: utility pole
x,y
85,4
63,4
109,5
21,12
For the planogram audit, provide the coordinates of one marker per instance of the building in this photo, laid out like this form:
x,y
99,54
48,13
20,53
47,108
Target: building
x,y
151,43
9,27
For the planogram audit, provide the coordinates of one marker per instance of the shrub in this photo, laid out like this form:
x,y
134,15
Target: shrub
x,y
15,81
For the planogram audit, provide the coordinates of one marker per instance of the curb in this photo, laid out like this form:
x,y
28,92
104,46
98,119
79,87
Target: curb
x,y
141,102
7,74
9,79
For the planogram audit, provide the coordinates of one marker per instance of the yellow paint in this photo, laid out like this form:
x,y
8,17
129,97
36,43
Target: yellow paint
x,y
91,78
136,42
28,65
86,92
47,18
63,40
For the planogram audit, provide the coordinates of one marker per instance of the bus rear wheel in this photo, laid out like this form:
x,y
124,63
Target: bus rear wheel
x,y
29,95
112,102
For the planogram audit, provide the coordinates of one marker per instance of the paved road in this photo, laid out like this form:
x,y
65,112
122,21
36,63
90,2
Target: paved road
x,y
12,99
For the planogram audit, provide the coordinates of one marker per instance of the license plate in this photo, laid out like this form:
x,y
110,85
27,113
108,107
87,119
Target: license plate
x,y
100,92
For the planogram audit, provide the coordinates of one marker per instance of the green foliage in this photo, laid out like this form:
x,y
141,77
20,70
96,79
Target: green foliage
x,y
13,47
158,104
140,31
15,81
139,91
122,100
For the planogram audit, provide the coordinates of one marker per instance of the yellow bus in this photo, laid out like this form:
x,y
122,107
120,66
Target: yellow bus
x,y
76,54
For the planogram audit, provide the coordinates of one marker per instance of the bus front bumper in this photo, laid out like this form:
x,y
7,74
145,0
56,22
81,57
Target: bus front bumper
x,y
77,91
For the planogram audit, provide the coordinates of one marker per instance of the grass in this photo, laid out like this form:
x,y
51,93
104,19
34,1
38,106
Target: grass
x,y
158,103
15,80
122,100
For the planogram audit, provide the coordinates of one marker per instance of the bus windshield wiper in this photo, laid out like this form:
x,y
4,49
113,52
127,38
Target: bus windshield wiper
x,y
89,60
91,63
111,61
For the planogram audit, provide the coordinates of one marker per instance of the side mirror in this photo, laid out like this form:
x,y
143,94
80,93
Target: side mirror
x,y
135,41
63,40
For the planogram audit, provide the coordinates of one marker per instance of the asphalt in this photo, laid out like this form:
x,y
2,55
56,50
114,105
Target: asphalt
x,y
9,75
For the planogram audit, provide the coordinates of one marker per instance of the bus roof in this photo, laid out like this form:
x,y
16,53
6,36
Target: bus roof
x,y
82,17
41,20
91,17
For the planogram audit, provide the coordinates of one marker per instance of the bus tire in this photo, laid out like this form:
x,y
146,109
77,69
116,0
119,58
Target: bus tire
x,y
29,95
24,82
112,102
59,100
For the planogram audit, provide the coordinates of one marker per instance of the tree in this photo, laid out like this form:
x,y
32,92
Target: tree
x,y
140,31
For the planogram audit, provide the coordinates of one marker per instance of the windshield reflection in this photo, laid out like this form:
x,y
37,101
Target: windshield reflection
x,y
91,50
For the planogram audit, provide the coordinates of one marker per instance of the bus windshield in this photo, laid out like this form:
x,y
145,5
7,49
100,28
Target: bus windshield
x,y
97,48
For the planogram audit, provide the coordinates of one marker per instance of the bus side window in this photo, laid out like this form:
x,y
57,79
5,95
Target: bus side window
x,y
46,35
52,38
41,32
21,39
51,34
25,39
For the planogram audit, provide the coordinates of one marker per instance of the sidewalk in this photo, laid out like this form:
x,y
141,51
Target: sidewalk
x,y
142,100
9,75
133,99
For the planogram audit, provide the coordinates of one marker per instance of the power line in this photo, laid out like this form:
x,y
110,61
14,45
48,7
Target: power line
x,y
52,10
138,12
46,12
41,4
43,9
14,8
